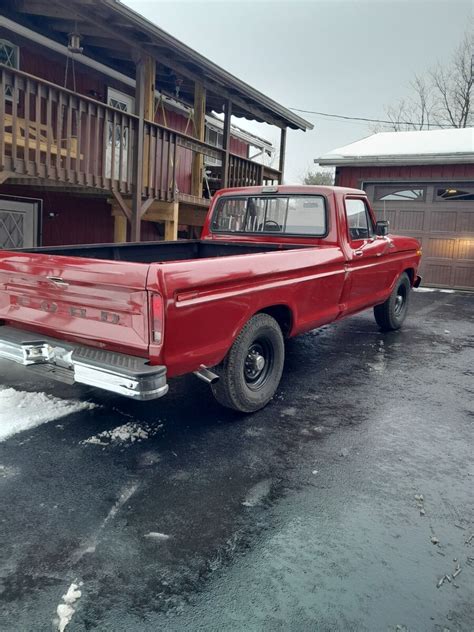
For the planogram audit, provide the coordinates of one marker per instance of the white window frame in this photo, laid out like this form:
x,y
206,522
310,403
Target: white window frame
x,y
112,93
209,160
118,95
9,96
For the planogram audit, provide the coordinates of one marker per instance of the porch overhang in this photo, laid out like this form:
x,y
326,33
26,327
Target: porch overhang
x,y
115,33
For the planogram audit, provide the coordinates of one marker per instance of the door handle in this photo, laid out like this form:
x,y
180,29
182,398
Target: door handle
x,y
358,253
58,281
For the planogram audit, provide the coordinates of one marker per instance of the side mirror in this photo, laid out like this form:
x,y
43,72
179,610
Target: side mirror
x,y
382,227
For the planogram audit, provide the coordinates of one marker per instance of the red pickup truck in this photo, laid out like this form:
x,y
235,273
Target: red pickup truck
x,y
272,263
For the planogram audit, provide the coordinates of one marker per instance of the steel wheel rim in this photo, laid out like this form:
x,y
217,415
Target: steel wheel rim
x,y
258,363
400,300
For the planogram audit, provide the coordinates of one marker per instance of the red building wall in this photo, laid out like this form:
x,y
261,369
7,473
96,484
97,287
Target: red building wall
x,y
354,177
68,219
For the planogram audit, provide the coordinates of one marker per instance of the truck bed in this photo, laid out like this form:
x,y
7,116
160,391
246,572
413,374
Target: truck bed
x,y
159,251
100,295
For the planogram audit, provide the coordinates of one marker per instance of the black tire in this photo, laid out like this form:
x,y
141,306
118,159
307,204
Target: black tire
x,y
391,314
246,382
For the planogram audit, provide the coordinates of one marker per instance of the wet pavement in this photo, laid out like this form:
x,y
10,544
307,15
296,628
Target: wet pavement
x,y
341,506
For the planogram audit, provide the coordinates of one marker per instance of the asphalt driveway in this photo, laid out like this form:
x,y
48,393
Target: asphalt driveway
x,y
347,504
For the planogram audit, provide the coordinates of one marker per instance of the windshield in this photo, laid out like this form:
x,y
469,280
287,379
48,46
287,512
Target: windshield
x,y
288,214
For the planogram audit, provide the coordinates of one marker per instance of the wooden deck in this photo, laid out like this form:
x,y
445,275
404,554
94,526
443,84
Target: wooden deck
x,y
54,136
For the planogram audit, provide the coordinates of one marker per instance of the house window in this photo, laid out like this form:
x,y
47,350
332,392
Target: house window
x,y
9,56
399,193
216,139
455,193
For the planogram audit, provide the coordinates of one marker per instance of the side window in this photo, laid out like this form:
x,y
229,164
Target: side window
x,y
358,220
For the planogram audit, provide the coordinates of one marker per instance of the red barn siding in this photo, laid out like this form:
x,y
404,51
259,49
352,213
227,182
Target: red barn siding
x,y
355,176
74,219
45,64
238,147
150,232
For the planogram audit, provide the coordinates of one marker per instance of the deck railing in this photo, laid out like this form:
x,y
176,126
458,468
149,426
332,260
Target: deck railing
x,y
52,133
243,172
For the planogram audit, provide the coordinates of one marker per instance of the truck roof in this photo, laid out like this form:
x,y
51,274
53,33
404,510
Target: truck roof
x,y
289,188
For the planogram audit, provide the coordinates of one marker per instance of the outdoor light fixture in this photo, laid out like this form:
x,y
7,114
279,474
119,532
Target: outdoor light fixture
x,y
451,191
74,43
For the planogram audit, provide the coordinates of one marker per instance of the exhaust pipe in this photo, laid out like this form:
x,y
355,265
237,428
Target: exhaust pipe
x,y
206,375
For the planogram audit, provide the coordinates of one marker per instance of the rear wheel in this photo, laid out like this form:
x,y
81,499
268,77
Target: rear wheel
x,y
250,373
391,314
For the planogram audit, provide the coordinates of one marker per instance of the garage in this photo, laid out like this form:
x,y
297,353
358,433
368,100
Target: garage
x,y
441,216
423,183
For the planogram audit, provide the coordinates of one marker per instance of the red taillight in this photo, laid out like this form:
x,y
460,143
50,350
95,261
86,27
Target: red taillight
x,y
157,318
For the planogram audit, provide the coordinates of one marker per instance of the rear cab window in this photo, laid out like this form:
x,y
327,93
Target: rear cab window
x,y
263,214
359,220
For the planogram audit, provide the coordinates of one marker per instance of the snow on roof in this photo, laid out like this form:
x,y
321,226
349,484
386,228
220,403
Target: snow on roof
x,y
417,147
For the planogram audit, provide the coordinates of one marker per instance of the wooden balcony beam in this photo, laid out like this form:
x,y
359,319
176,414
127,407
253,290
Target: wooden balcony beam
x,y
122,204
226,144
45,9
138,147
281,167
4,176
200,133
167,212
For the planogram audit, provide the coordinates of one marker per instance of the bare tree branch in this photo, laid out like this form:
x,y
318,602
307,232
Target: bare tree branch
x,y
442,98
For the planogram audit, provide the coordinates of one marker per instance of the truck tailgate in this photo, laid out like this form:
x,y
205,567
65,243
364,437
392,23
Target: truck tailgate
x,y
95,302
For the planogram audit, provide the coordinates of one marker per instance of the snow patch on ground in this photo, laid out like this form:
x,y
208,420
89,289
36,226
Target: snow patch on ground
x,y
129,433
6,471
65,610
257,493
20,410
433,289
155,535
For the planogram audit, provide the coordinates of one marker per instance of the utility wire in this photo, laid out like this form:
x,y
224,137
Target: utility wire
x,y
365,119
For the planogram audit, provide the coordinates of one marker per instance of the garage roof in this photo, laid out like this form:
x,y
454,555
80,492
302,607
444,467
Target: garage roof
x,y
439,146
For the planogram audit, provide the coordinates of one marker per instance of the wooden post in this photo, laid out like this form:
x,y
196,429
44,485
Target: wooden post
x,y
200,133
148,113
150,77
120,228
226,144
282,154
137,174
167,212
121,214
171,225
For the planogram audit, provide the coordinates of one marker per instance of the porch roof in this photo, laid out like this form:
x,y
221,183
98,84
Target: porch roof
x,y
114,33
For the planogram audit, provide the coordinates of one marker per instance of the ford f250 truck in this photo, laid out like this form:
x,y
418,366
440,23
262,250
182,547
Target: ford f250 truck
x,y
272,263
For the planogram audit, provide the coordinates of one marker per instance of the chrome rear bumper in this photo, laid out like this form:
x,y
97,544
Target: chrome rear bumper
x,y
68,362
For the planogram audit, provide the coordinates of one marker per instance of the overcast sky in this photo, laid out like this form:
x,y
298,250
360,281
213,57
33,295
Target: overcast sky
x,y
348,57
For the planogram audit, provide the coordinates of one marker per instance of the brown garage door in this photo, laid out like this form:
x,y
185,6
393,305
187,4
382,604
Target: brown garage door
x,y
441,216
